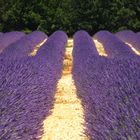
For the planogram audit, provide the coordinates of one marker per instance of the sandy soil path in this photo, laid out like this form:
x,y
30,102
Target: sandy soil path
x,y
66,121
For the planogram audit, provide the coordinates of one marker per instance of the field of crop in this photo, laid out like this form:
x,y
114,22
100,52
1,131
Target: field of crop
x,y
83,88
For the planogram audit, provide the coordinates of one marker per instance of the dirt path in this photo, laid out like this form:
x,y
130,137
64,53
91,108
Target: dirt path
x,y
66,121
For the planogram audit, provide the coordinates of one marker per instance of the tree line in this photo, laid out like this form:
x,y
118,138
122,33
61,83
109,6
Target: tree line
x,y
69,15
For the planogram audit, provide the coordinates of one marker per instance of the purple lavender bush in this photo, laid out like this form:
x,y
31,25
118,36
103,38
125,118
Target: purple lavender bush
x,y
53,48
8,38
27,91
25,45
112,45
85,45
138,33
129,37
36,37
109,90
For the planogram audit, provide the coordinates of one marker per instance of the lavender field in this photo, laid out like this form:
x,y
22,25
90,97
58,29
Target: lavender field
x,y
84,88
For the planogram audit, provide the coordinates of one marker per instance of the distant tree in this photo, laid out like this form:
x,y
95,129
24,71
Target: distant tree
x,y
69,15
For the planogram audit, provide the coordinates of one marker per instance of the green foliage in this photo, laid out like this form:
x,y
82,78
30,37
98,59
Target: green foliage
x,y
69,15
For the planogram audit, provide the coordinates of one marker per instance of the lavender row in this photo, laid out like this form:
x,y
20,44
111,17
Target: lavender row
x,y
109,90
53,48
27,91
130,37
138,33
8,38
113,46
25,45
85,44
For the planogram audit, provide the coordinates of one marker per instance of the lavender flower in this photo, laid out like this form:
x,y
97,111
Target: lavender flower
x,y
27,88
25,45
129,37
113,46
53,50
109,90
8,38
